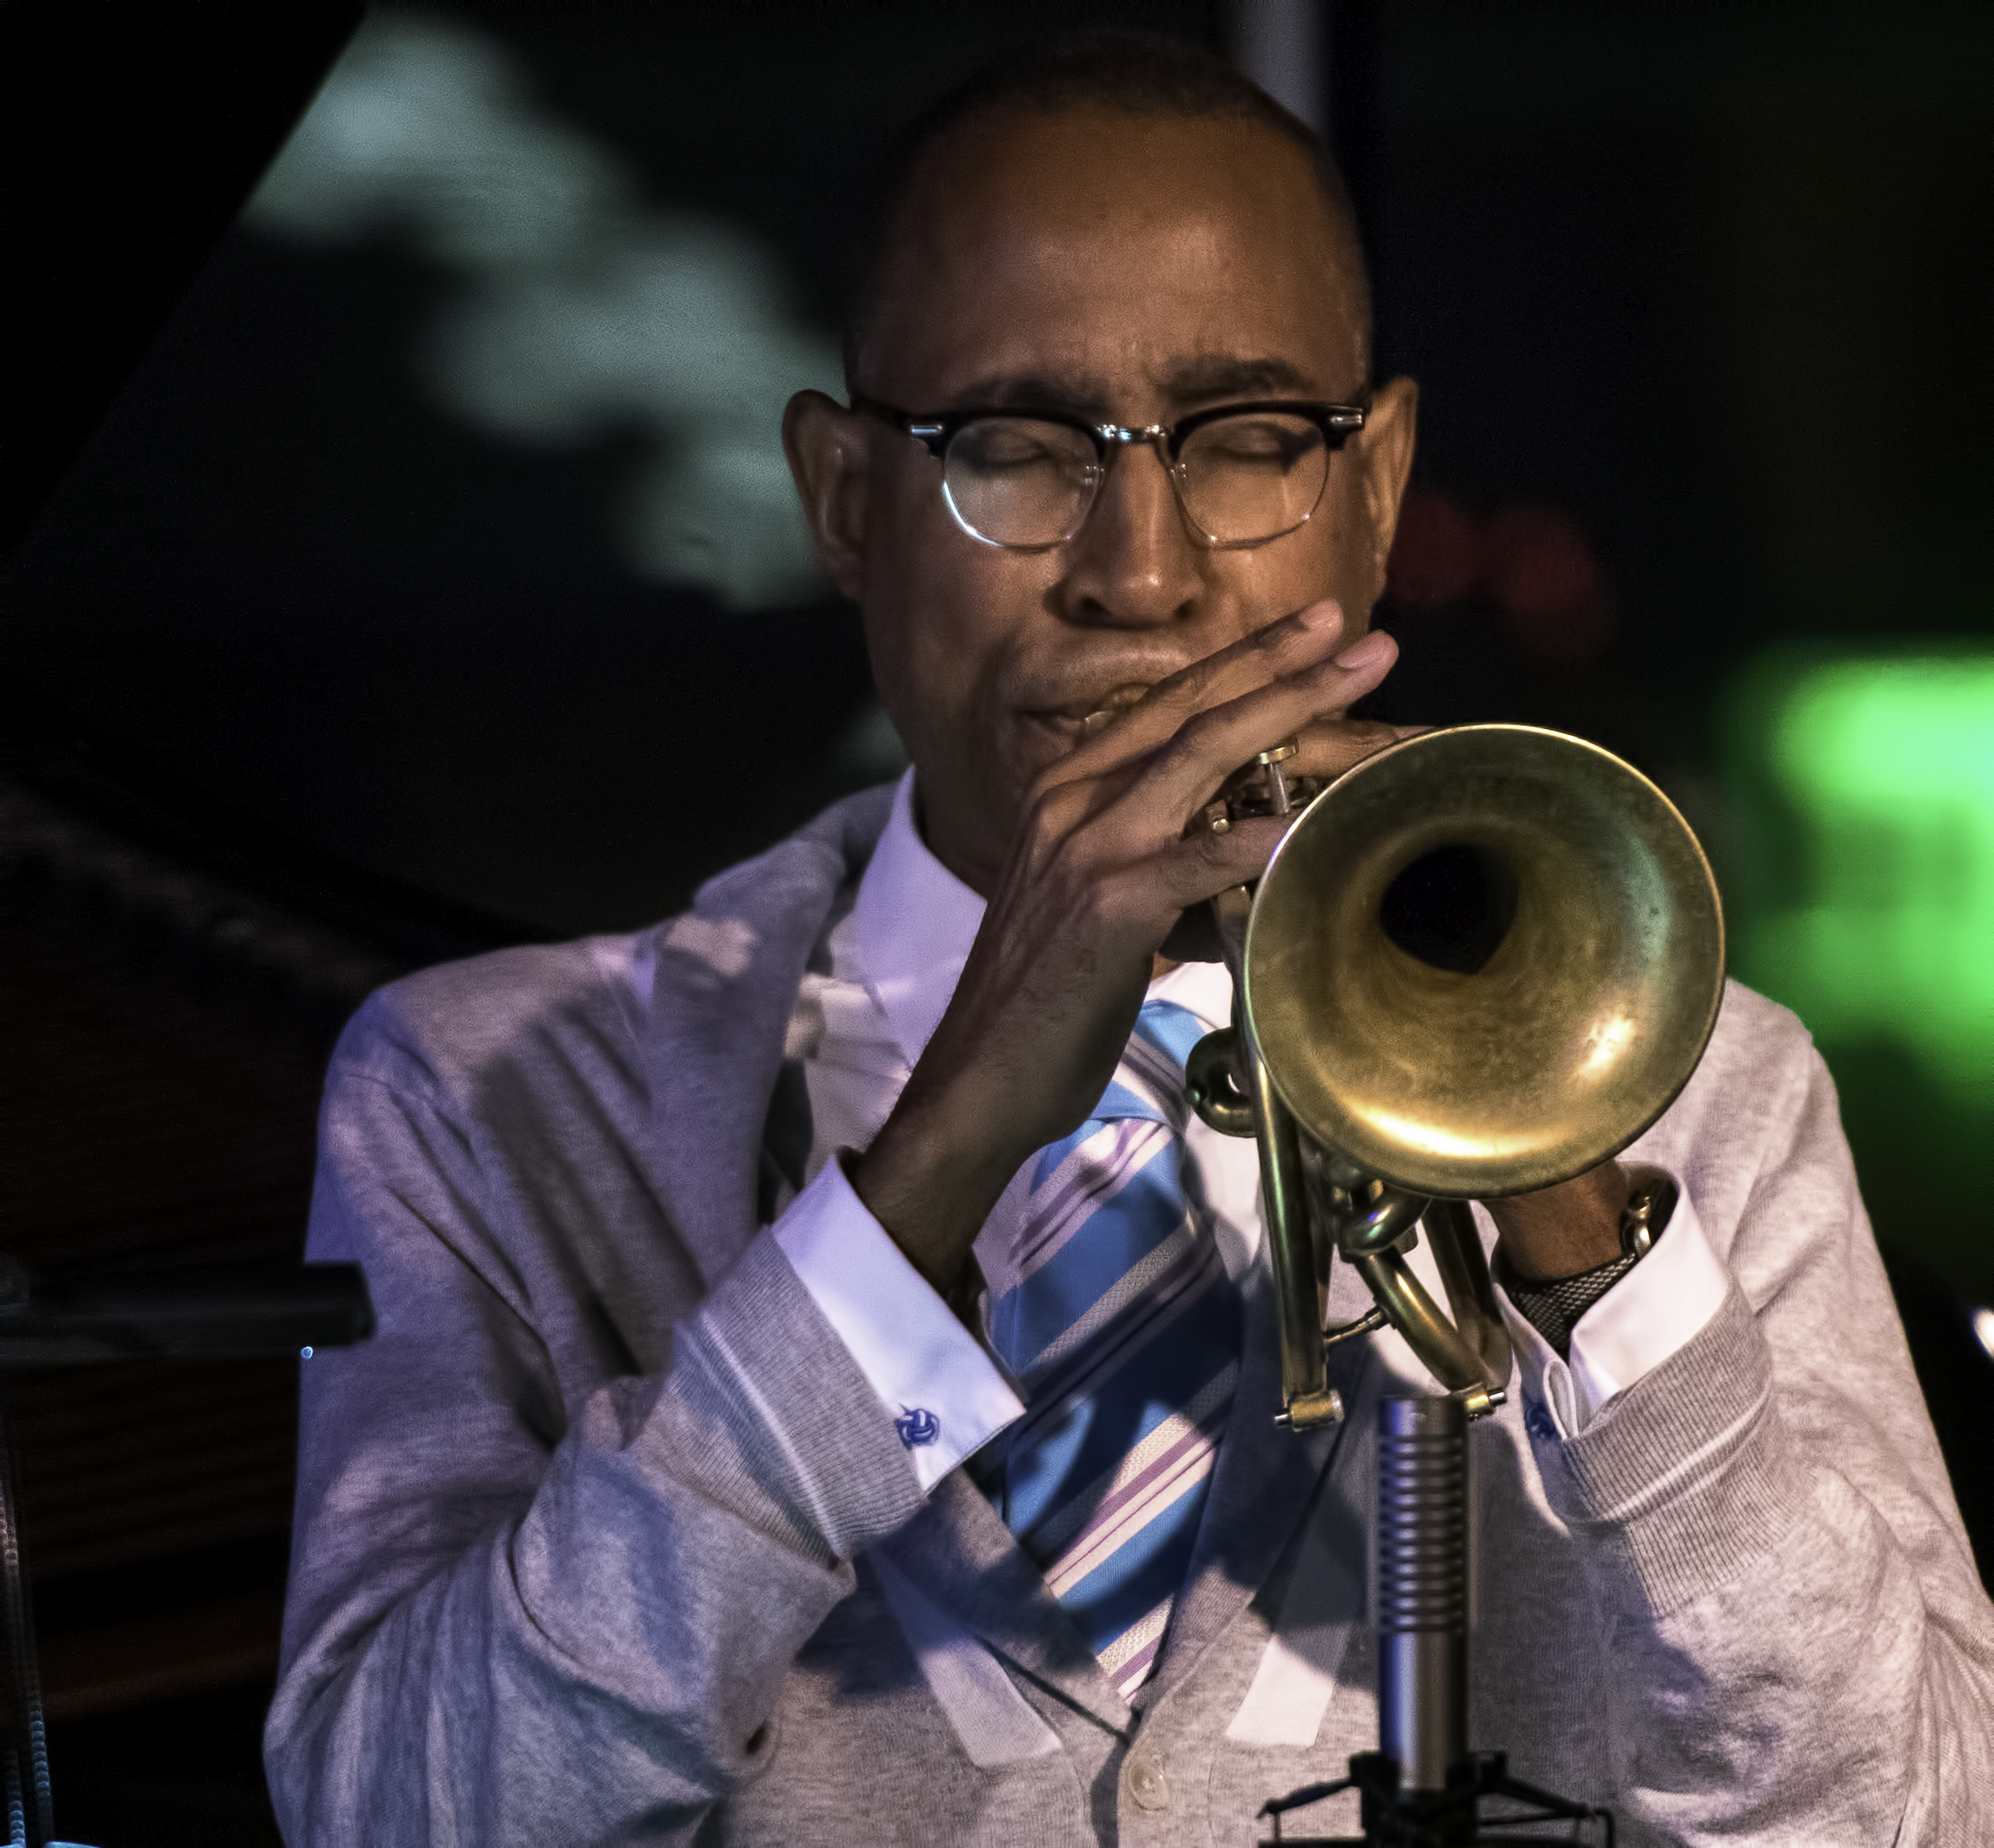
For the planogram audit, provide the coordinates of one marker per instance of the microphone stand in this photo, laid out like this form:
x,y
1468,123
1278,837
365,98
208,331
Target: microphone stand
x,y
1422,1787
240,1312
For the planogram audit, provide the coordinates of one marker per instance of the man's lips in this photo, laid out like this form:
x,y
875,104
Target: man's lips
x,y
1078,717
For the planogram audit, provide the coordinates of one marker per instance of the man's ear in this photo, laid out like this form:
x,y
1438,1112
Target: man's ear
x,y
1386,447
829,457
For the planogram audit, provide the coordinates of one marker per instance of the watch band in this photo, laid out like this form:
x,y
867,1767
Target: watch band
x,y
1552,1305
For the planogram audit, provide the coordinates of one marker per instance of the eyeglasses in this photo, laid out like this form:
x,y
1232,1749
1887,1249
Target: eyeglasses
x,y
1243,474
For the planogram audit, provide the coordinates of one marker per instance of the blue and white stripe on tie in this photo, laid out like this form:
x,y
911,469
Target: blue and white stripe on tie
x,y
1122,1328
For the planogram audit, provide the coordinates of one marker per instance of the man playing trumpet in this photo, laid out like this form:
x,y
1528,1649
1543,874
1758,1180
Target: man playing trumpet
x,y
824,1389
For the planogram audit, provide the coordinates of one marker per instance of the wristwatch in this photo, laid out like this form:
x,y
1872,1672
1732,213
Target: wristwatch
x,y
1553,1305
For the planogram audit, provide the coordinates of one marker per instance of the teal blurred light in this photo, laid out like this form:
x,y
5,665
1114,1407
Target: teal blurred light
x,y
577,307
1880,924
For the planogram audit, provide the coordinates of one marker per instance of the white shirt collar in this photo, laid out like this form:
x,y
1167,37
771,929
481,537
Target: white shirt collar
x,y
915,922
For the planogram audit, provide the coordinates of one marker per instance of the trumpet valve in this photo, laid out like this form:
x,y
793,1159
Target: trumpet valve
x,y
1277,778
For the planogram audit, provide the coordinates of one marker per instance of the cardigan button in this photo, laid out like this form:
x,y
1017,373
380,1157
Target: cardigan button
x,y
1147,1783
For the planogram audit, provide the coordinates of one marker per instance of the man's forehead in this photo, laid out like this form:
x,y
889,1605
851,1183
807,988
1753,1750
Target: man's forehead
x,y
1058,255
1185,379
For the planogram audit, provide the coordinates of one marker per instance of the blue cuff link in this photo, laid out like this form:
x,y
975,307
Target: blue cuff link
x,y
1537,1421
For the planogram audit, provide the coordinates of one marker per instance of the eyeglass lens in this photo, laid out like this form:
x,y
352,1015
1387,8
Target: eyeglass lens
x,y
1024,482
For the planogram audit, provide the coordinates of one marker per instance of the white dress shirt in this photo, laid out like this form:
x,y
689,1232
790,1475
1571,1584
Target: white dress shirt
x,y
895,960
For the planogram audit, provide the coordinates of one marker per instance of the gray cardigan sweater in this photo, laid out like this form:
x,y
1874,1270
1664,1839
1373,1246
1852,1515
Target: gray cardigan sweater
x,y
604,1538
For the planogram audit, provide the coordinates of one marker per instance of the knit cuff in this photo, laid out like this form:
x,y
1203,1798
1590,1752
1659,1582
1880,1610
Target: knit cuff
x,y
810,1428
1685,1478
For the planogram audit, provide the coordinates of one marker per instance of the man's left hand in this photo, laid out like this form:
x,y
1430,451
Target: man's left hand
x,y
1560,1231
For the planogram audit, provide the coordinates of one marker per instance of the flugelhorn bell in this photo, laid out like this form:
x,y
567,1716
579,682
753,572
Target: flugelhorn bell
x,y
1478,963
1484,960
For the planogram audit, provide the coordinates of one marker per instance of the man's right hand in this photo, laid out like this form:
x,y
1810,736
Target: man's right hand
x,y
1104,862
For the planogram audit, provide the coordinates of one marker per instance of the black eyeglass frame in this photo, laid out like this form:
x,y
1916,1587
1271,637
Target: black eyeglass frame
x,y
935,431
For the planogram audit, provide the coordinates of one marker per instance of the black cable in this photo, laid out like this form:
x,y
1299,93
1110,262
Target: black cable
x,y
29,1812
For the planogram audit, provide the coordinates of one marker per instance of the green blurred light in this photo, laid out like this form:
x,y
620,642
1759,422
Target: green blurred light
x,y
1889,764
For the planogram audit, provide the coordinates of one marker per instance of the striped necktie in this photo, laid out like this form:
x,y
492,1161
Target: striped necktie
x,y
1122,1326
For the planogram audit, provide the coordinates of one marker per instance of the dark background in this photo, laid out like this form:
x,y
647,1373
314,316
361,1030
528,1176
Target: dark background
x,y
1697,298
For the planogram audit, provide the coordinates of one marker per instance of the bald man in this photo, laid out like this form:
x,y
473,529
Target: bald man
x,y
825,1388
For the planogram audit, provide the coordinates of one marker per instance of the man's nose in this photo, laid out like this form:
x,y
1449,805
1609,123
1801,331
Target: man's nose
x,y
1133,563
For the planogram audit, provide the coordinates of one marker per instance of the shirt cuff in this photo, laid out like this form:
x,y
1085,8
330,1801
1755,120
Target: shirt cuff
x,y
942,1391
1662,1305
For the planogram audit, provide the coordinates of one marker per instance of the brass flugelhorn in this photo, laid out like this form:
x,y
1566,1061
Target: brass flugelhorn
x,y
1480,963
